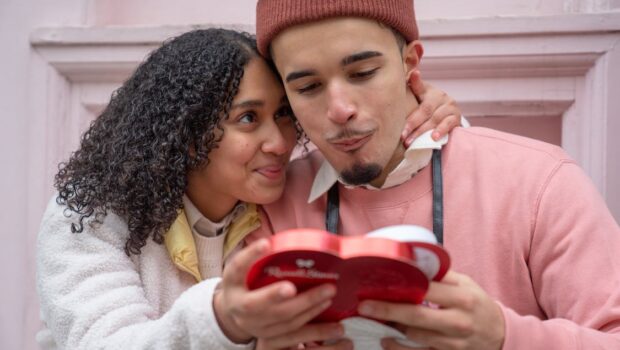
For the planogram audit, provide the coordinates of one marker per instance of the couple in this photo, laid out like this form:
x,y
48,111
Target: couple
x,y
161,194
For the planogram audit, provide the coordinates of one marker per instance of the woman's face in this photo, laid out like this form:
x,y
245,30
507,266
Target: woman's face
x,y
249,163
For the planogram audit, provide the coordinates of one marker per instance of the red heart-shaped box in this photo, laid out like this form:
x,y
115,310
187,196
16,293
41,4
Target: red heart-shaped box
x,y
360,267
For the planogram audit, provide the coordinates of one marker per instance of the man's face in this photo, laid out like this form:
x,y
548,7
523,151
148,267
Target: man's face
x,y
346,79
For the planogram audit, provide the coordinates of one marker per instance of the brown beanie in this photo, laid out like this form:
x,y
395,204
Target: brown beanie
x,y
273,16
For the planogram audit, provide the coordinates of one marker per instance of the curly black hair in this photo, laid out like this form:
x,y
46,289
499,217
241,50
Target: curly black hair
x,y
134,158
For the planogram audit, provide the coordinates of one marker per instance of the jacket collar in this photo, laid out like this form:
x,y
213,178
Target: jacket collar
x,y
181,246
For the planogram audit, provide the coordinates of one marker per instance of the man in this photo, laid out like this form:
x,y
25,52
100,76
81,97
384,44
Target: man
x,y
532,243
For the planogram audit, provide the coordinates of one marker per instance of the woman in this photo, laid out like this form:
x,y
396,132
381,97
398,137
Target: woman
x,y
197,134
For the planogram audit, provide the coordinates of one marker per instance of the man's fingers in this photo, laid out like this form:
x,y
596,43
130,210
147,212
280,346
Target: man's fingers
x,y
237,268
454,290
454,278
408,315
308,333
447,321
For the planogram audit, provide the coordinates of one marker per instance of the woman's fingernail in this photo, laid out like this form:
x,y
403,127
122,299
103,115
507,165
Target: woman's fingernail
x,y
287,291
328,292
365,309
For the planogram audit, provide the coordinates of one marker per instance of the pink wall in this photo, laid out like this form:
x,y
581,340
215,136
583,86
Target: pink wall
x,y
149,12
18,215
544,128
46,99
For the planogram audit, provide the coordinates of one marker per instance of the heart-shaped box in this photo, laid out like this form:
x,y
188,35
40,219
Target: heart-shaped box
x,y
393,264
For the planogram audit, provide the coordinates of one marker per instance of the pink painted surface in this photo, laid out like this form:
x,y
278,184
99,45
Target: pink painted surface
x,y
32,142
157,12
19,179
544,128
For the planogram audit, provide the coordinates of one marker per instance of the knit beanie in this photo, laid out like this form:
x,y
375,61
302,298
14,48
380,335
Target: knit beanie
x,y
274,16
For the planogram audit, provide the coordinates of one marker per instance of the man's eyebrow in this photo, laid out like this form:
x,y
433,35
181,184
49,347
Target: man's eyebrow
x,y
360,56
248,104
299,74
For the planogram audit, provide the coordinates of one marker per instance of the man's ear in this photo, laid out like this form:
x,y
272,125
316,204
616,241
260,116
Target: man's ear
x,y
412,55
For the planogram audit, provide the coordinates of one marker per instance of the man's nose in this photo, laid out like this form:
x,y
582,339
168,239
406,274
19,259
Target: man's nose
x,y
340,107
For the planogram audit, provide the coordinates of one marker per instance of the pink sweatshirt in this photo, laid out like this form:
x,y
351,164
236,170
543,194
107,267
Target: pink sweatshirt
x,y
521,219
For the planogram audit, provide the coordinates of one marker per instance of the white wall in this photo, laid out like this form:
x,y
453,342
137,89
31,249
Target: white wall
x,y
24,127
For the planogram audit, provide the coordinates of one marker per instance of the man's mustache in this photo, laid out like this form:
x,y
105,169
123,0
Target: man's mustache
x,y
348,133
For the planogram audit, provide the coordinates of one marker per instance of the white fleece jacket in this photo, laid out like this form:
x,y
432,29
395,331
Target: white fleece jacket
x,y
93,296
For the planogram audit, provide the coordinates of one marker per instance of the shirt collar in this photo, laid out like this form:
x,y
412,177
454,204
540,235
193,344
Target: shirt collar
x,y
416,157
205,227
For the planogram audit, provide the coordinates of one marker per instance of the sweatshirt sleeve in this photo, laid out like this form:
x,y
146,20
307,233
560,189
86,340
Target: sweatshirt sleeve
x,y
574,263
92,296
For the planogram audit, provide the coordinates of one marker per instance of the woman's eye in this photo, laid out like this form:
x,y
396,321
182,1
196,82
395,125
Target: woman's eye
x,y
364,74
247,118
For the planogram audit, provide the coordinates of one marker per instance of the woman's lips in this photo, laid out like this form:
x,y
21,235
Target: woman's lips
x,y
352,144
272,172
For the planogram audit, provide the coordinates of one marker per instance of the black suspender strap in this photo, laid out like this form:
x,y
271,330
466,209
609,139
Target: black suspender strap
x,y
332,216
437,196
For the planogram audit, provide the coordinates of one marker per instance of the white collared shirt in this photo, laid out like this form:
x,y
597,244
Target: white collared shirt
x,y
205,227
416,157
